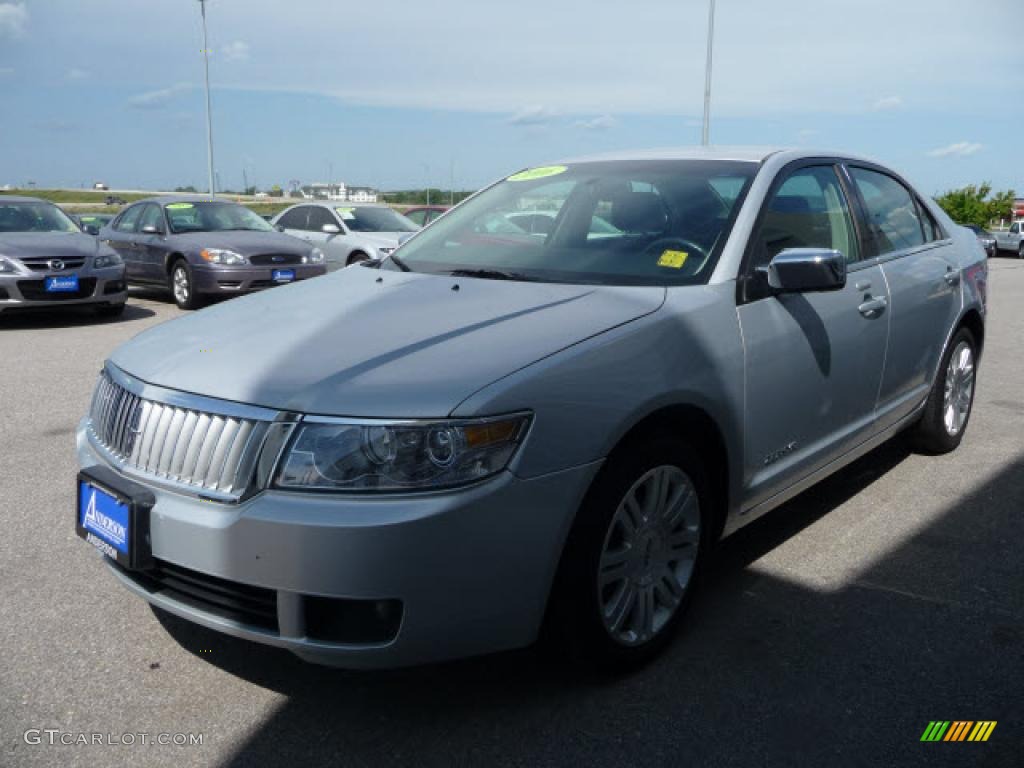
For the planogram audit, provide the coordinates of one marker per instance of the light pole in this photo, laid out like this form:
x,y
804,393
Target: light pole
x,y
707,75
209,120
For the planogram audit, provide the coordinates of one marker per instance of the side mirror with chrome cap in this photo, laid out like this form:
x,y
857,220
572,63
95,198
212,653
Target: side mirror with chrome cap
x,y
801,270
331,229
152,229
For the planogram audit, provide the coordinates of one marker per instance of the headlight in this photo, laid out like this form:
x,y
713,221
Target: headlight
x,y
316,256
384,456
221,256
107,260
7,266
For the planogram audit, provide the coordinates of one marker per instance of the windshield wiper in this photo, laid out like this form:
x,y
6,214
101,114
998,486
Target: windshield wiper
x,y
399,263
491,274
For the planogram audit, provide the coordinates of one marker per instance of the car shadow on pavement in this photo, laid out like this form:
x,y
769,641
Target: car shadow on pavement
x,y
767,670
70,317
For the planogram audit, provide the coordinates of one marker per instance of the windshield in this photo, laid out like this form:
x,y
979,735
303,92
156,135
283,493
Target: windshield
x,y
34,217
375,219
615,223
213,217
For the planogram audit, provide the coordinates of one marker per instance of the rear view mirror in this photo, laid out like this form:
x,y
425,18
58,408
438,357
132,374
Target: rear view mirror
x,y
279,228
799,270
330,229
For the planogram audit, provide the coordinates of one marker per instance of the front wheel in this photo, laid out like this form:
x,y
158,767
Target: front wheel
x,y
183,286
1020,251
355,258
948,409
633,556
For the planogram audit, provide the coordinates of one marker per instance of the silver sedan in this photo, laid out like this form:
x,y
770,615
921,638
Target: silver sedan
x,y
544,428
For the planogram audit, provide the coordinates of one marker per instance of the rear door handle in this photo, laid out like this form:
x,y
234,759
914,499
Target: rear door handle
x,y
873,307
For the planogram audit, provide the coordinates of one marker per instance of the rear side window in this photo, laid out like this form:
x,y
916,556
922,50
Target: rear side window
x,y
808,210
129,220
892,213
294,219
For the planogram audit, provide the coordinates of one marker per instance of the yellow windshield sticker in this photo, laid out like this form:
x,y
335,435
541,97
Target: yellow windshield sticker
x,y
673,259
178,206
346,213
538,173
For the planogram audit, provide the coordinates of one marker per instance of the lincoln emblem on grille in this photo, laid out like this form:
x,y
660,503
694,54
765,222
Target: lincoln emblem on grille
x,y
56,264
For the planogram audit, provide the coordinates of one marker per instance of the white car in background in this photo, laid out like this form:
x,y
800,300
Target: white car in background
x,y
347,233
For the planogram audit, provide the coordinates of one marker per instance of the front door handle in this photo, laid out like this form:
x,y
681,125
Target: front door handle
x,y
953,277
873,307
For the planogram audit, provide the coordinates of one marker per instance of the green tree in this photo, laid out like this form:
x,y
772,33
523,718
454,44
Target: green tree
x,y
976,205
276,191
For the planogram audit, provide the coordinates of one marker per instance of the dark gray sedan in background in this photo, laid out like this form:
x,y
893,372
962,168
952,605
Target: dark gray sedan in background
x,y
198,247
46,261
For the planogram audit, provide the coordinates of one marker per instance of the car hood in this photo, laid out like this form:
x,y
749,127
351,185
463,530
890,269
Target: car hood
x,y
383,239
366,342
245,243
56,244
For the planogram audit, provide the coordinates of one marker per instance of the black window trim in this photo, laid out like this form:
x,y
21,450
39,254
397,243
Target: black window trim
x,y
874,255
744,275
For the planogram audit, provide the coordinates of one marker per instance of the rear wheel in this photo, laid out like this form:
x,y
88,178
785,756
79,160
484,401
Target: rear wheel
x,y
633,556
182,285
948,409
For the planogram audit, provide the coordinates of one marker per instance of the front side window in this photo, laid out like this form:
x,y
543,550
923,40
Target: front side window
x,y
808,210
129,220
418,217
891,211
213,217
32,216
1015,228
365,218
319,218
646,222
151,218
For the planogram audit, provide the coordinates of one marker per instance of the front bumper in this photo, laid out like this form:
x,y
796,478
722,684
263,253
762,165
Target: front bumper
x,y
243,279
97,287
471,568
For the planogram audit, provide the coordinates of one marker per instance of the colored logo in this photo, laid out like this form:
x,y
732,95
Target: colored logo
x,y
101,523
958,730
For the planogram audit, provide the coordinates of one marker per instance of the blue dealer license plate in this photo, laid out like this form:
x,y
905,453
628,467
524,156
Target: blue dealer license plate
x,y
62,284
113,515
283,275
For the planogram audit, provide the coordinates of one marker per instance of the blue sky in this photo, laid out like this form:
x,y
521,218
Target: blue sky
x,y
398,95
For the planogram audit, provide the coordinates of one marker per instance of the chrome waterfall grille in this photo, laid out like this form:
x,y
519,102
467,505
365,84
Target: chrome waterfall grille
x,y
206,452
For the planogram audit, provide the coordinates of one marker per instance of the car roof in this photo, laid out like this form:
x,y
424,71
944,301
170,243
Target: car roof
x,y
750,154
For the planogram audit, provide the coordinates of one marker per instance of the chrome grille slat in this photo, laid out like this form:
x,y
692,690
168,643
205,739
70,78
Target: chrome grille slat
x,y
187,447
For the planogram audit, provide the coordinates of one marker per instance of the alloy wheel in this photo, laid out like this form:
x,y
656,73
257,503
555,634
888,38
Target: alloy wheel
x,y
649,554
180,284
959,389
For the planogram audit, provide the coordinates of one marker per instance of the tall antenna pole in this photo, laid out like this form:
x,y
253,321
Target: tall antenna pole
x,y
707,75
209,120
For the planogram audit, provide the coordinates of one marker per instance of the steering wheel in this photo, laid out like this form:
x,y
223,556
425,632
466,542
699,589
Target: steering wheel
x,y
696,256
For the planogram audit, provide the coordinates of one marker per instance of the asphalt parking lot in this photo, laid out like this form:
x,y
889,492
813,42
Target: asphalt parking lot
x,y
829,633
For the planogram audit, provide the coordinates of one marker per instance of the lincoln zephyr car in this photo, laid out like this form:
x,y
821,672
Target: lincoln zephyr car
x,y
543,433
198,247
46,261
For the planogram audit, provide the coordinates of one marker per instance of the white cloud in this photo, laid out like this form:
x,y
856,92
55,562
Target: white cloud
x,y
78,74
13,19
158,99
536,114
599,123
236,51
959,149
888,102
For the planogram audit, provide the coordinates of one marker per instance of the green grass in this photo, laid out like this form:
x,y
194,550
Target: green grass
x,y
73,195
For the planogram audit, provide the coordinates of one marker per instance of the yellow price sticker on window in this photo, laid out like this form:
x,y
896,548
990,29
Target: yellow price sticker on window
x,y
673,259
179,206
538,173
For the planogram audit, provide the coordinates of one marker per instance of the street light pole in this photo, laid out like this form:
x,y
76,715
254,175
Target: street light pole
x,y
209,120
707,75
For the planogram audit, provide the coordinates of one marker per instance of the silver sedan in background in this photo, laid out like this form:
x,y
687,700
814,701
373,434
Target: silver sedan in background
x,y
544,429
347,233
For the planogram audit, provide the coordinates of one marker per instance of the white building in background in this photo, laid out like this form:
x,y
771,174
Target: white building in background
x,y
362,195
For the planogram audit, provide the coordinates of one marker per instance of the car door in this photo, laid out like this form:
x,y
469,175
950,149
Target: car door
x,y
151,247
923,275
293,221
813,361
336,247
122,239
1007,239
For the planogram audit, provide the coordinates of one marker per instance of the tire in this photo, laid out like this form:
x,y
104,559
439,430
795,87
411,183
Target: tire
x,y
355,258
603,562
1020,251
948,409
182,285
111,310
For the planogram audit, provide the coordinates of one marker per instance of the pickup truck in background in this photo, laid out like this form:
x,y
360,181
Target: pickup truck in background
x,y
1011,239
